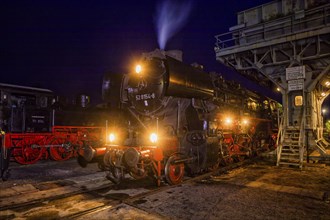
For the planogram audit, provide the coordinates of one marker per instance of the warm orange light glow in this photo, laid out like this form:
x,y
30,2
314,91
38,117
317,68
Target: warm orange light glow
x,y
245,121
112,137
153,137
228,121
138,69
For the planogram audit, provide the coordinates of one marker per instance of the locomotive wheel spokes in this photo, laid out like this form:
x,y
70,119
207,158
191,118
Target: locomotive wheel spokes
x,y
174,172
27,152
60,149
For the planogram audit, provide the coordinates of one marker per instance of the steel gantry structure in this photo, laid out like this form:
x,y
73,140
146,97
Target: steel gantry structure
x,y
285,44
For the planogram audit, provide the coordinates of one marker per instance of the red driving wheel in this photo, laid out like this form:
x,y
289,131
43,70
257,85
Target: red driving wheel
x,y
27,151
60,149
174,172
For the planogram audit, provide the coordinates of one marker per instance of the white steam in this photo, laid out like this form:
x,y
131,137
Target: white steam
x,y
171,16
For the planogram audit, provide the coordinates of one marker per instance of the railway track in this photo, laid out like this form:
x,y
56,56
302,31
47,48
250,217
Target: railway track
x,y
84,193
130,201
254,190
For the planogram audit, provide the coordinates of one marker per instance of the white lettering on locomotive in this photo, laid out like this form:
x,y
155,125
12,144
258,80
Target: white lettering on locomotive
x,y
145,96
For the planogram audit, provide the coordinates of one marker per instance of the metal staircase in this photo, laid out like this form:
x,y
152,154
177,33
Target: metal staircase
x,y
291,146
285,44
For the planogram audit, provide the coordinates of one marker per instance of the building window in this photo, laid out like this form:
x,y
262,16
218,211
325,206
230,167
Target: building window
x,y
298,100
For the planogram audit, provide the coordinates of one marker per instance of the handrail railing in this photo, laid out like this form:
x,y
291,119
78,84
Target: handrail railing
x,y
280,138
302,139
289,23
3,148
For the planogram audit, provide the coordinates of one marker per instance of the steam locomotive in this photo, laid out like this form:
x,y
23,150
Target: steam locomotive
x,y
180,120
36,124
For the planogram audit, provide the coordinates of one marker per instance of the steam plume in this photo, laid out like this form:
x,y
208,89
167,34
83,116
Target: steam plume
x,y
170,17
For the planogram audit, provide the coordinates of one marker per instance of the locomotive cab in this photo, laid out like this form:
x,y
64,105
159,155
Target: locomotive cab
x,y
22,110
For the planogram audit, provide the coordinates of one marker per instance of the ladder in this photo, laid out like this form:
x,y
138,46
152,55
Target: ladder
x,y
291,145
290,148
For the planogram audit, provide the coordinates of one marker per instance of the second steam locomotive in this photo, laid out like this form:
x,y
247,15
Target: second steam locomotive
x,y
181,120
35,124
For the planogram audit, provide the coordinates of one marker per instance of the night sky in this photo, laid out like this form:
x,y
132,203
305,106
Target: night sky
x,y
67,45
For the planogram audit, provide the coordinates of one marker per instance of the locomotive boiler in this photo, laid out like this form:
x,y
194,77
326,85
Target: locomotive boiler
x,y
184,121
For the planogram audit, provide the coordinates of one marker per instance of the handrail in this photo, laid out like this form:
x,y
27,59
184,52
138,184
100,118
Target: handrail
x,y
302,134
302,138
262,28
3,144
279,132
280,138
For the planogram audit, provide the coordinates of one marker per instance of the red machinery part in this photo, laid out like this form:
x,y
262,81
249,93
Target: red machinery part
x,y
174,172
27,149
157,154
60,149
61,144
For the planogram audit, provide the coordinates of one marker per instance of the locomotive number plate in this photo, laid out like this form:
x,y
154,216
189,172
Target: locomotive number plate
x,y
145,96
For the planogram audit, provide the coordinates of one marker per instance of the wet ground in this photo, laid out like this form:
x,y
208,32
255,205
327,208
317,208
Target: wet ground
x,y
257,191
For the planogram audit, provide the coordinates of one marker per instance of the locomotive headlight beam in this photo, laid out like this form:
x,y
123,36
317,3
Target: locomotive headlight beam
x,y
228,121
138,69
112,137
153,137
245,121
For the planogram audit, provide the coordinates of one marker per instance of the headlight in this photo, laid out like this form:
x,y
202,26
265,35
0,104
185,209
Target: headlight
x,y
138,69
112,137
153,137
228,121
245,121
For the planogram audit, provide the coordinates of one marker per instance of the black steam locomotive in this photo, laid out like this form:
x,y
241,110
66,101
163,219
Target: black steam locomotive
x,y
182,120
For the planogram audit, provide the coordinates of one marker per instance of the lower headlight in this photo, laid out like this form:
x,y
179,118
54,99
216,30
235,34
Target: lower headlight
x,y
112,137
153,137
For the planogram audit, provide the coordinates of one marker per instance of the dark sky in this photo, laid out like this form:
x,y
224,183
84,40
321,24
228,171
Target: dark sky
x,y
67,45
